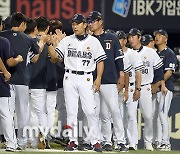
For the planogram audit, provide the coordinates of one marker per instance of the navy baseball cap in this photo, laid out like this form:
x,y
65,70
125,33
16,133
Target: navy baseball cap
x,y
121,34
78,18
134,31
146,39
94,15
161,31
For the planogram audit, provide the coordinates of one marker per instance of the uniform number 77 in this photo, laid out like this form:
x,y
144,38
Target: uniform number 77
x,y
86,62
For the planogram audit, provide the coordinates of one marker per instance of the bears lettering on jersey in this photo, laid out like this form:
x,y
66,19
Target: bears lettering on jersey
x,y
72,52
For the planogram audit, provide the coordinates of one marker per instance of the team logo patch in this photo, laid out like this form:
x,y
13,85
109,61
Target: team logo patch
x,y
66,78
131,90
88,79
148,89
88,48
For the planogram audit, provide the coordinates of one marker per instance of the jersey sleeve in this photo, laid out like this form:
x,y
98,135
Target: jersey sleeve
x,y
170,62
34,49
117,49
127,64
100,54
157,61
60,49
8,53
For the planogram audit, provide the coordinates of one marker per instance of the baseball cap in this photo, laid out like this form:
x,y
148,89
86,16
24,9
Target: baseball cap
x,y
146,39
7,23
134,31
109,31
94,15
78,18
121,35
161,31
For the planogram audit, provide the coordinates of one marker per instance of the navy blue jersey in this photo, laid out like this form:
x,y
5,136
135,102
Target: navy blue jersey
x,y
51,75
5,54
20,44
38,71
169,60
112,48
60,74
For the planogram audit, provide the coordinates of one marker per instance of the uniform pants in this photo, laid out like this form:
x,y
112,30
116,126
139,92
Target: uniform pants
x,y
61,107
146,108
129,110
109,108
7,123
164,106
76,86
21,99
50,107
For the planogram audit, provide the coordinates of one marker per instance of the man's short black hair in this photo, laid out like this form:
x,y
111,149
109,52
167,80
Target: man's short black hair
x,y
0,19
31,24
55,24
17,18
42,23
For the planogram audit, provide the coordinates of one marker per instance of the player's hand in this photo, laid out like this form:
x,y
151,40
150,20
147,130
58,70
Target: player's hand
x,y
60,35
120,84
7,76
97,84
136,95
126,96
20,58
164,90
154,88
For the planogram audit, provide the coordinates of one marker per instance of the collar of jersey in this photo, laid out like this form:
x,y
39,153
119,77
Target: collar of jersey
x,y
81,37
140,49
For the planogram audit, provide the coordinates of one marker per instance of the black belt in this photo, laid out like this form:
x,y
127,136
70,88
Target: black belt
x,y
131,84
145,84
78,72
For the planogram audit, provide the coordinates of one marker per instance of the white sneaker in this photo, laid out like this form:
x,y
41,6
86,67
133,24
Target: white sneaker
x,y
9,149
149,147
132,147
165,147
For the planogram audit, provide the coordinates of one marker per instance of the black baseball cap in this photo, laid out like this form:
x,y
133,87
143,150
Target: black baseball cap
x,y
161,31
134,31
121,34
146,39
78,18
94,15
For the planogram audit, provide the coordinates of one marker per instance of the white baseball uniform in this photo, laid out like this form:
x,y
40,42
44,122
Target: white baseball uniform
x,y
151,62
80,59
130,107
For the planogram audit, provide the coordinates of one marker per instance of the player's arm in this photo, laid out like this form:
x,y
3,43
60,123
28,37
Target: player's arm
x,y
126,81
97,82
120,68
138,80
11,62
4,70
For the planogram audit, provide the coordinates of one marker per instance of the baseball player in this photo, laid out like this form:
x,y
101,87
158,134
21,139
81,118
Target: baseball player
x,y
113,68
130,105
21,44
38,82
169,60
151,62
147,40
6,57
81,53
